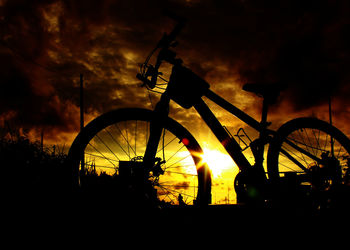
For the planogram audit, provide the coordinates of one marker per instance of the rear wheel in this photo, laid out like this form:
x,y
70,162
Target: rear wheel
x,y
112,148
309,156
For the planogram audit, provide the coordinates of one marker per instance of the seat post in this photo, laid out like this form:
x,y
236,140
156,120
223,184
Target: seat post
x,y
257,146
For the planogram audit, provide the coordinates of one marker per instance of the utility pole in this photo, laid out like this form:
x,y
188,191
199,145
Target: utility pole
x,y
82,117
81,102
42,140
330,122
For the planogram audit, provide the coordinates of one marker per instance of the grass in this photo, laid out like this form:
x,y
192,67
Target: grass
x,y
33,176
30,170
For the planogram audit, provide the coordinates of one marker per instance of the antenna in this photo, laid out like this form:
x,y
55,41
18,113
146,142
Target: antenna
x,y
330,122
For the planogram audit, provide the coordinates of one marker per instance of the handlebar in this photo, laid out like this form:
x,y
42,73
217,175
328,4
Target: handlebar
x,y
164,54
145,80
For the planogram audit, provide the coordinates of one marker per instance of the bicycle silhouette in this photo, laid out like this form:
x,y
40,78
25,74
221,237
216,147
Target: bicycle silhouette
x,y
155,158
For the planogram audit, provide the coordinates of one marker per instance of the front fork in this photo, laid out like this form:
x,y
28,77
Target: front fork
x,y
157,123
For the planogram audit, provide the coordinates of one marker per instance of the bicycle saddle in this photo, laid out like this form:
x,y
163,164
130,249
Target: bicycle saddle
x,y
268,91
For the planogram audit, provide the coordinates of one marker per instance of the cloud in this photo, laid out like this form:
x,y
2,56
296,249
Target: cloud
x,y
182,185
45,45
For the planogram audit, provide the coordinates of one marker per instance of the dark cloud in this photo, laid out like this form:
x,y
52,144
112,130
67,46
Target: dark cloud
x,y
182,185
302,44
45,45
32,106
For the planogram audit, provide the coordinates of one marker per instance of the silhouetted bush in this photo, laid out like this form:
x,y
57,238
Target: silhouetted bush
x,y
32,175
31,172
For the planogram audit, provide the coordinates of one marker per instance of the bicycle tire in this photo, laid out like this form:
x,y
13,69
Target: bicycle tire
x,y
105,121
313,138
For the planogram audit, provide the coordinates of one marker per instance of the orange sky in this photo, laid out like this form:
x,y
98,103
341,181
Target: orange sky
x,y
46,45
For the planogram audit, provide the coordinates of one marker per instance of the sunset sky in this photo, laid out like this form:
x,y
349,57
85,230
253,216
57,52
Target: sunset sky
x,y
46,44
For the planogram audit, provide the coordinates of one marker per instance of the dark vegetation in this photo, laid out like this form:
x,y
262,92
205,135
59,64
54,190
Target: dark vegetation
x,y
33,175
37,180
31,172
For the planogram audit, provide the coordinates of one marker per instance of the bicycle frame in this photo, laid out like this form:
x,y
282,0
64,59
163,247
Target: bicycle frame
x,y
229,143
198,88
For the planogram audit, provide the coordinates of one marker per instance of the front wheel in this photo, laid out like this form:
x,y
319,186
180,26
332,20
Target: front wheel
x,y
108,154
310,156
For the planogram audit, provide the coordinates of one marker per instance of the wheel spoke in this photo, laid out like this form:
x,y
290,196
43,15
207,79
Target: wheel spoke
x,y
303,151
126,140
313,150
106,158
100,156
296,162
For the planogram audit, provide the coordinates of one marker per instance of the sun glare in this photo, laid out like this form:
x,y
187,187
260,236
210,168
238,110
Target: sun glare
x,y
217,161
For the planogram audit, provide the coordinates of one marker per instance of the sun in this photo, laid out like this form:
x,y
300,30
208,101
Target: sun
x,y
217,161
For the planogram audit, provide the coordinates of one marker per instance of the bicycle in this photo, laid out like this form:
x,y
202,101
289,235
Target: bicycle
x,y
157,159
